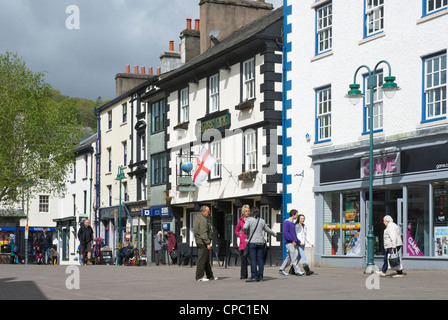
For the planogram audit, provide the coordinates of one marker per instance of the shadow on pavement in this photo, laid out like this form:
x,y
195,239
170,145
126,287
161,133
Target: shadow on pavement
x,y
11,289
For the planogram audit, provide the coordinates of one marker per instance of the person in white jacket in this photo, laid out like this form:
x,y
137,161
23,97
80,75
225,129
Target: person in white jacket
x,y
302,235
392,240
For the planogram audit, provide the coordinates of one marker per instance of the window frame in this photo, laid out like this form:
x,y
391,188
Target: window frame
x,y
318,125
250,155
319,30
124,111
215,148
44,206
376,102
184,105
159,163
425,6
368,12
158,110
248,80
213,93
433,88
109,120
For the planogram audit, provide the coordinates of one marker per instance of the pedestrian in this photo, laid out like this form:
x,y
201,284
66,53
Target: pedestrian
x,y
172,246
254,227
302,235
392,240
85,237
290,237
158,247
203,234
242,236
45,245
14,252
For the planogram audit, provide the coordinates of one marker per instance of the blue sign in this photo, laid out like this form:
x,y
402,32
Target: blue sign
x,y
166,226
162,211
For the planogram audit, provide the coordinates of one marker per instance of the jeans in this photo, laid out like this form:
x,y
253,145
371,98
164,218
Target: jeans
x,y
256,258
243,272
291,258
46,255
301,254
386,263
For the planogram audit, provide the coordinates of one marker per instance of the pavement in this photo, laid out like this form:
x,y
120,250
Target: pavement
x,y
174,283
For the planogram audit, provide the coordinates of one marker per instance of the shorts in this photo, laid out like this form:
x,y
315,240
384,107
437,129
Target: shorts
x,y
85,247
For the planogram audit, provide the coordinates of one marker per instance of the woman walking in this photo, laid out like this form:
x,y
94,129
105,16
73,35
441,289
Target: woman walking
x,y
302,235
242,236
253,228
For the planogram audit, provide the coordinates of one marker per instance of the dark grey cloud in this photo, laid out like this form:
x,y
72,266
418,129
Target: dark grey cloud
x,y
112,34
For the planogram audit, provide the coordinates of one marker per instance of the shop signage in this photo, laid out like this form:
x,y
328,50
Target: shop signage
x,y
382,166
219,122
162,211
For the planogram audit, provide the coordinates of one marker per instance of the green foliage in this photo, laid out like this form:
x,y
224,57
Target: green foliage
x,y
38,130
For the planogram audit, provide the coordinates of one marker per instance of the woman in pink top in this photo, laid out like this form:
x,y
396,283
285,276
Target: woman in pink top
x,y
242,236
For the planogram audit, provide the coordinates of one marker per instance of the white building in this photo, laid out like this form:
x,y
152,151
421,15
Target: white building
x,y
77,203
228,99
328,137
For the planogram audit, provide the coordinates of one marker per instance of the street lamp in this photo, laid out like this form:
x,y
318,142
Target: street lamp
x,y
120,176
354,95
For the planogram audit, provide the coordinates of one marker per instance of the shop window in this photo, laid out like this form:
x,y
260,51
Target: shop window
x,y
440,214
351,225
418,232
332,227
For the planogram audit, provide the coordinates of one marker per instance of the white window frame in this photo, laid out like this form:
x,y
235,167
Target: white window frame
x,y
214,93
374,17
250,150
215,150
378,98
435,5
184,105
248,79
323,114
435,87
324,28
44,204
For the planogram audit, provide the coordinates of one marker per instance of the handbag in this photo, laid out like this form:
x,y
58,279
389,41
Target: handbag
x,y
173,254
246,249
393,259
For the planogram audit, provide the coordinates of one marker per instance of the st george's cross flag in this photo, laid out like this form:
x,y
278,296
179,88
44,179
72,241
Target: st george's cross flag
x,y
204,164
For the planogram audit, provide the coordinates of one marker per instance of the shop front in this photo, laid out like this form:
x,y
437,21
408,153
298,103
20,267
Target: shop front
x,y
410,184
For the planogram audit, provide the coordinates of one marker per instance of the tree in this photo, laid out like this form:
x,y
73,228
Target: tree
x,y
37,134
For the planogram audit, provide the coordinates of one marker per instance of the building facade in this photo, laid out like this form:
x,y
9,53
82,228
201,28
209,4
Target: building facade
x,y
228,100
328,46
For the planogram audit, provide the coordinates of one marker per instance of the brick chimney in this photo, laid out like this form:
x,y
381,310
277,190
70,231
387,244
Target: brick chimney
x,y
227,16
190,41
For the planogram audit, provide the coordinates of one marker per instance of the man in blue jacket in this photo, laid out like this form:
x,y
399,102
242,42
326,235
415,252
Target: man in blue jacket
x,y
290,237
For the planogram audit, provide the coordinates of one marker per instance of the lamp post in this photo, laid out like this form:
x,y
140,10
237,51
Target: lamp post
x,y
120,176
354,95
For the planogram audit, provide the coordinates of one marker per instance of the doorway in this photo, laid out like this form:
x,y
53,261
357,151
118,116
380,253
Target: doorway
x,y
385,202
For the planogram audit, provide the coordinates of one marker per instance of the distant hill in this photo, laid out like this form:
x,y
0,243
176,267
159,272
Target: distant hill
x,y
83,108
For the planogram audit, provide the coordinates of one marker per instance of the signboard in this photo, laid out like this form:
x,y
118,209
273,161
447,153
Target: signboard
x,y
162,211
220,121
107,257
382,165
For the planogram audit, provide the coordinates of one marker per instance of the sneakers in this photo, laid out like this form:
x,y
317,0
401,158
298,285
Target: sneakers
x,y
398,275
282,272
381,273
213,278
203,280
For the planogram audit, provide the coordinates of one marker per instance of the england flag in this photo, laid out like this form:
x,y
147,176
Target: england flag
x,y
205,163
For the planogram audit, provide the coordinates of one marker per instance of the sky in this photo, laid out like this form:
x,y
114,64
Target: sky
x,y
81,45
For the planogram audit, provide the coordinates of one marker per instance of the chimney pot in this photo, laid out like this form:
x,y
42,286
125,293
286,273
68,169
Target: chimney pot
x,y
143,70
171,45
135,69
196,24
150,71
158,71
189,24
128,69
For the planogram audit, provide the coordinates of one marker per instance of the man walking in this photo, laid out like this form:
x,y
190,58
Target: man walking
x,y
158,246
290,236
45,244
85,236
203,233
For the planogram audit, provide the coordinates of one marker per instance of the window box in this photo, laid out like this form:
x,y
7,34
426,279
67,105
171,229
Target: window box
x,y
183,125
245,104
248,175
